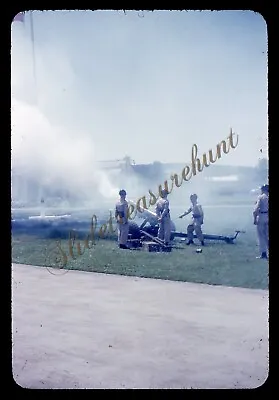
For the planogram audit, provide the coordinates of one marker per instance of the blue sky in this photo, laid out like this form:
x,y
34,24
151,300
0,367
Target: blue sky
x,y
148,85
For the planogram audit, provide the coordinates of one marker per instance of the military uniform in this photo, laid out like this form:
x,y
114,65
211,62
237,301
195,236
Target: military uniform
x,y
197,221
163,214
121,215
261,220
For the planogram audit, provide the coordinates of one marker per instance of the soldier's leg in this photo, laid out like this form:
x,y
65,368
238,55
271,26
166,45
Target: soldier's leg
x,y
265,235
119,232
125,233
261,236
190,233
167,230
198,230
161,231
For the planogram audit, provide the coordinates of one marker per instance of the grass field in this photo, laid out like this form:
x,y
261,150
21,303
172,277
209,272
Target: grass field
x,y
218,264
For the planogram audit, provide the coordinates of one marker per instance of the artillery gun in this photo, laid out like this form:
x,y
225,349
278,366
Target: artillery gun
x,y
148,230
149,224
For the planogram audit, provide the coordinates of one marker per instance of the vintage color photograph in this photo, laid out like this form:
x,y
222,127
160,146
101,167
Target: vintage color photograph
x,y
139,181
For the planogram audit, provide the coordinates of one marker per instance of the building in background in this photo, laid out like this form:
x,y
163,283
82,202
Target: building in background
x,y
216,179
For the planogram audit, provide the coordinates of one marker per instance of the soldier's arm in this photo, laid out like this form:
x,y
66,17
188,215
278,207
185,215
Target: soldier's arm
x,y
126,208
157,210
256,211
186,213
201,212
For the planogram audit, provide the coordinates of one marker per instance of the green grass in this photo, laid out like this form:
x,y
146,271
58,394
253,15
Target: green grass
x,y
218,264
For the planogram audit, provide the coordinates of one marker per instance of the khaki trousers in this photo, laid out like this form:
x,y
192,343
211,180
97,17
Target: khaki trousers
x,y
195,226
123,231
164,232
262,231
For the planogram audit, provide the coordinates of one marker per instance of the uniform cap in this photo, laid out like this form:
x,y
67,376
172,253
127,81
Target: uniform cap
x,y
265,188
164,192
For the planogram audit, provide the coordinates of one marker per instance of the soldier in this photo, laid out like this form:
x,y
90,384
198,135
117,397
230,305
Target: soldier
x,y
163,214
197,220
121,215
260,215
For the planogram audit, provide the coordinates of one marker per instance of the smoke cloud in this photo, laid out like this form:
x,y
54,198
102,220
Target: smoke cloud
x,y
44,150
108,85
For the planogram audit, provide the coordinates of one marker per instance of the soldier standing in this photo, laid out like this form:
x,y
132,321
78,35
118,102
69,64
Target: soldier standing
x,y
121,215
260,215
197,220
163,214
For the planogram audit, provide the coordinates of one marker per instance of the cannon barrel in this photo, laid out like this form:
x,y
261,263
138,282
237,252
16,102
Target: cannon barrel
x,y
144,212
227,239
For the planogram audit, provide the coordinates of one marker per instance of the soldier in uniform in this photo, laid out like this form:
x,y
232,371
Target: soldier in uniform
x,y
121,215
197,220
163,214
260,215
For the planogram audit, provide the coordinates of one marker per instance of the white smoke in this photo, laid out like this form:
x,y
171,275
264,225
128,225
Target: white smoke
x,y
127,89
44,149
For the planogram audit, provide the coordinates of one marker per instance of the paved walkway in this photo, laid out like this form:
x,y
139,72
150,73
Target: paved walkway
x,y
87,330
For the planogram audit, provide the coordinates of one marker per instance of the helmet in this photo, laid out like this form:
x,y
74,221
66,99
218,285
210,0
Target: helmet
x,y
122,192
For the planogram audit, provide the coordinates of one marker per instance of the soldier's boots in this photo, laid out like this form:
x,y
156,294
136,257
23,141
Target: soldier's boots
x,y
192,242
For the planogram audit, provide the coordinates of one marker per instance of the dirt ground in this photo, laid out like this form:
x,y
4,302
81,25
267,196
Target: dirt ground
x,y
87,330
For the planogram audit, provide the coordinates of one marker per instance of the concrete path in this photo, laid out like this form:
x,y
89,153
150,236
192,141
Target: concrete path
x,y
87,330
